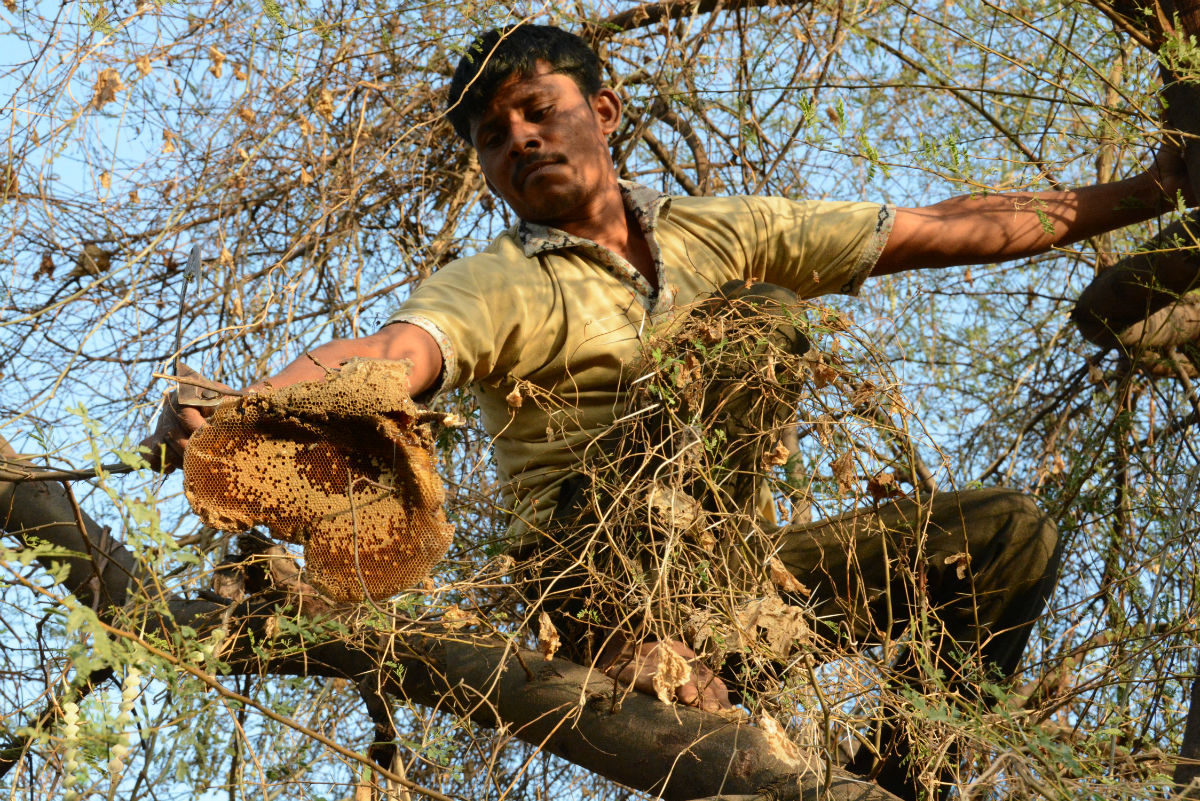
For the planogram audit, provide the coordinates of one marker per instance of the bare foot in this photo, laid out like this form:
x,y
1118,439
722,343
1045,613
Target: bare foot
x,y
671,671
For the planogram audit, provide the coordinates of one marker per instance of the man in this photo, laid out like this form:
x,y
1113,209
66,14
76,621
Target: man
x,y
559,304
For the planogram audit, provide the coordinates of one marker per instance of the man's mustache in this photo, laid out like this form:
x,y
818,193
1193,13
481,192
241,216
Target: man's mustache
x,y
535,160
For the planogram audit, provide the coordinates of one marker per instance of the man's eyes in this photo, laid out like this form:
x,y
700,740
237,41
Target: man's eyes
x,y
491,139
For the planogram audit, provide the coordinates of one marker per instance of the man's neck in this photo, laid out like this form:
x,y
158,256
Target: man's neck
x,y
609,224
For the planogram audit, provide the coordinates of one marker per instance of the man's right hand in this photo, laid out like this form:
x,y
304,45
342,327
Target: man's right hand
x,y
174,428
179,421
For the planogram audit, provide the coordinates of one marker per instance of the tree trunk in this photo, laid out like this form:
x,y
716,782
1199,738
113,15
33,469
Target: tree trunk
x,y
1137,302
1187,770
568,710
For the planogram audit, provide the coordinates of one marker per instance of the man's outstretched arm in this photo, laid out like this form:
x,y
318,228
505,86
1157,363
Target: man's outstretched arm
x,y
396,341
1013,225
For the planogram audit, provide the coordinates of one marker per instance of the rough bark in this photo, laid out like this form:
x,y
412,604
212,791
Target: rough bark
x,y
1140,300
1181,93
1187,770
648,14
578,714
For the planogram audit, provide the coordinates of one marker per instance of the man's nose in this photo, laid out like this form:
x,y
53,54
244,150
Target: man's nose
x,y
522,138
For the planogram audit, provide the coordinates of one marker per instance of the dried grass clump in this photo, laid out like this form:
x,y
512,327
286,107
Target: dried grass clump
x,y
747,414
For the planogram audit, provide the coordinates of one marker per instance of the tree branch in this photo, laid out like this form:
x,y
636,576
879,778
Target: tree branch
x,y
1119,308
676,752
1187,769
648,14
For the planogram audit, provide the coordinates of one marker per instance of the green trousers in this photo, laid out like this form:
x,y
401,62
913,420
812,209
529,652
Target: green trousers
x,y
977,566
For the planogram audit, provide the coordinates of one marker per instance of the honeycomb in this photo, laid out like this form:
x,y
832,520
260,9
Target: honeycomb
x,y
344,466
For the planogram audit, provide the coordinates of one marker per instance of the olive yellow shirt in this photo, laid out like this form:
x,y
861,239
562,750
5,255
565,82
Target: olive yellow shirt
x,y
548,328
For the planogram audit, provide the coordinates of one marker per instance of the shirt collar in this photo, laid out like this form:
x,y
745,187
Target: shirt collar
x,y
646,204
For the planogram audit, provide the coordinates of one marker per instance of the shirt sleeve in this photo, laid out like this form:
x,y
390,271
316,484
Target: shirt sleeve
x,y
816,247
481,311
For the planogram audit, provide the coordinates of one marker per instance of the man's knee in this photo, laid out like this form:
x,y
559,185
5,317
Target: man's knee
x,y
1014,527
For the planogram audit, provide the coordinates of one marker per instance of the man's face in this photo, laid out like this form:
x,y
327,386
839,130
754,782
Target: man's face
x,y
543,146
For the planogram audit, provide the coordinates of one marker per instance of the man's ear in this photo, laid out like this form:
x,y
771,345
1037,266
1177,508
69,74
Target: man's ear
x,y
607,105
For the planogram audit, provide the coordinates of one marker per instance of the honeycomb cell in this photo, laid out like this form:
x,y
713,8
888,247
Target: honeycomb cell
x,y
343,466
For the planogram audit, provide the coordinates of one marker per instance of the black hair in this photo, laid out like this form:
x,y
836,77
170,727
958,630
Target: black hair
x,y
499,54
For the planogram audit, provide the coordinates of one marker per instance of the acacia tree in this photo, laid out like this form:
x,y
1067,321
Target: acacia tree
x,y
304,146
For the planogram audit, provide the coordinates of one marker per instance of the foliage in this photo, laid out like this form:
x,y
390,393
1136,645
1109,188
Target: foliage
x,y
303,145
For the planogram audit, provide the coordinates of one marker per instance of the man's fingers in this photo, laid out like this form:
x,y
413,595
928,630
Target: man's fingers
x,y
703,691
1170,169
191,420
174,429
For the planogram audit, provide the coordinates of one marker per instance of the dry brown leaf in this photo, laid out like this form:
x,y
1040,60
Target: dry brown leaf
x,y
824,426
777,456
168,141
843,471
216,60
93,260
306,128
883,486
11,5
547,640
247,114
823,374
961,561
778,743
106,179
782,578
134,197
46,268
239,73
324,105
774,624
458,618
673,508
514,399
863,394
108,83
305,176
689,371
225,259
673,671
712,331
143,65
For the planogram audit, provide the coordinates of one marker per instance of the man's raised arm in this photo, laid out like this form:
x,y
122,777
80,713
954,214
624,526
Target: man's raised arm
x,y
397,341
1013,225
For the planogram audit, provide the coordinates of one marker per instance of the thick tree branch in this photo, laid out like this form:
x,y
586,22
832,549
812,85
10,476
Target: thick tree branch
x,y
648,14
1134,303
568,710
1187,770
104,571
